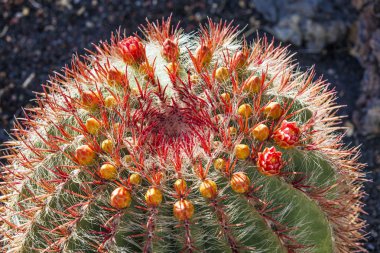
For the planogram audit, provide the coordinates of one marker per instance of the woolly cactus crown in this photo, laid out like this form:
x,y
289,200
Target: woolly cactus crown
x,y
182,143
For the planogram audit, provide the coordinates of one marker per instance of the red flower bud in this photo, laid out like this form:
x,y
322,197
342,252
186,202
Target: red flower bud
x,y
288,135
170,50
132,50
269,161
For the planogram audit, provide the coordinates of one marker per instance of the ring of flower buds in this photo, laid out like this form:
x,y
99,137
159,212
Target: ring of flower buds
x,y
269,162
85,155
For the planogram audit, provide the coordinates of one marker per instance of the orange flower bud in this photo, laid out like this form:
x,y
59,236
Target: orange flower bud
x,y
85,155
110,102
107,146
245,110
252,85
120,198
208,189
153,196
180,186
92,125
135,179
260,132
203,54
240,182
242,151
183,210
221,74
219,164
108,171
90,100
115,77
273,110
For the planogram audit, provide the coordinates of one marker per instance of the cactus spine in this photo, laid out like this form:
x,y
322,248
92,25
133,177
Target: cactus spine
x,y
182,143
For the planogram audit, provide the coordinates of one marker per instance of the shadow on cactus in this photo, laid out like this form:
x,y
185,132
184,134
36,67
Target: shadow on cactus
x,y
182,143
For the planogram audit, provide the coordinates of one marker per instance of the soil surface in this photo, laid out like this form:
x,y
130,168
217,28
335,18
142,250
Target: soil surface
x,y
37,39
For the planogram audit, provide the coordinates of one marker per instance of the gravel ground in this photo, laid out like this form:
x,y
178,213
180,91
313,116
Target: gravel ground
x,y
36,39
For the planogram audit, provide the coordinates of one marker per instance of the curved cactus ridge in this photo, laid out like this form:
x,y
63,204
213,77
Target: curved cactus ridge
x,y
182,143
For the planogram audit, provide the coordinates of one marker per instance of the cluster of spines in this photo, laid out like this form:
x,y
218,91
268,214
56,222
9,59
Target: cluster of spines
x,y
106,124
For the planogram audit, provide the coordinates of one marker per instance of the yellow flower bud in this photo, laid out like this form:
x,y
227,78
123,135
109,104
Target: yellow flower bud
x,y
208,189
153,196
219,164
135,179
240,182
180,186
245,110
221,74
252,85
242,151
226,98
92,125
85,155
110,102
108,171
260,132
107,146
273,110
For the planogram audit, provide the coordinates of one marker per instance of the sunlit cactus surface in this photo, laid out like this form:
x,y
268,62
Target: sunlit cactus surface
x,y
174,142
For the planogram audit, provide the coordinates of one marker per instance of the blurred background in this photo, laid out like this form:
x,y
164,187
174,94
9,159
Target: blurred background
x,y
341,37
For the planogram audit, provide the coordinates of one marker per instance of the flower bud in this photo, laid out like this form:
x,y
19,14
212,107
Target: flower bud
x,y
180,186
260,132
219,164
135,179
115,77
132,50
203,54
242,151
107,146
208,189
240,182
245,110
221,74
252,85
153,197
90,100
273,110
170,50
288,135
183,209
110,102
108,171
92,126
120,198
269,162
85,155
226,97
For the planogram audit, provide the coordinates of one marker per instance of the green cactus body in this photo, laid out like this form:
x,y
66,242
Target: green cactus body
x,y
182,143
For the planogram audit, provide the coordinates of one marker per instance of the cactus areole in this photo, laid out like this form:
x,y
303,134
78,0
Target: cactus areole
x,y
151,144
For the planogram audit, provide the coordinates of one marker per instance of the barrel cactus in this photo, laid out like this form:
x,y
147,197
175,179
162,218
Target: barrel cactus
x,y
174,142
